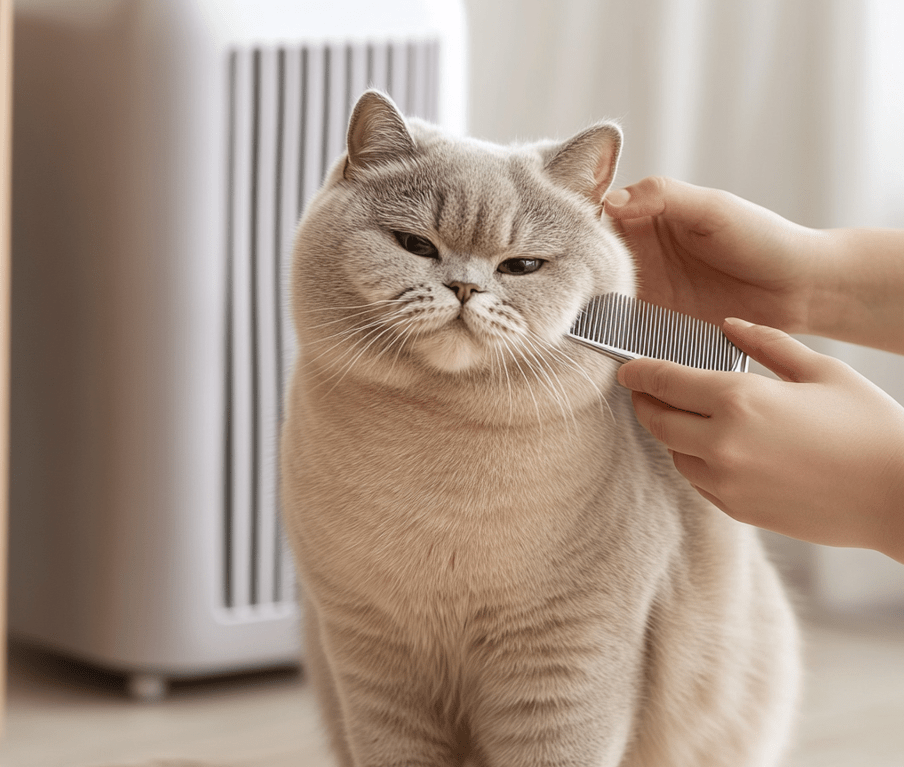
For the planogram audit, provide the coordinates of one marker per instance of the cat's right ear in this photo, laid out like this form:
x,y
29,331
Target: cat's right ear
x,y
587,163
377,134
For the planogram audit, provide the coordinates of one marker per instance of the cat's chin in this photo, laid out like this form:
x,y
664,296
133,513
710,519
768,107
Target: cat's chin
x,y
451,353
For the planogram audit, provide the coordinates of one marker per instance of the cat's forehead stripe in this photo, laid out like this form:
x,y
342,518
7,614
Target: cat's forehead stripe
x,y
480,220
472,225
475,219
439,207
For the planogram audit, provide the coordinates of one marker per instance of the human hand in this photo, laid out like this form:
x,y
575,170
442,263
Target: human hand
x,y
818,455
713,255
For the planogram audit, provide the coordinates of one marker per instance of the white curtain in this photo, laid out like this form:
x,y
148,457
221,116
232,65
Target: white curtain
x,y
797,105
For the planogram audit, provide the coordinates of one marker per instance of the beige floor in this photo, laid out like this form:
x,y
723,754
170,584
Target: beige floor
x,y
63,715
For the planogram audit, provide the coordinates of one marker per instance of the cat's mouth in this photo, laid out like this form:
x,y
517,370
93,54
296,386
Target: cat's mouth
x,y
453,337
462,341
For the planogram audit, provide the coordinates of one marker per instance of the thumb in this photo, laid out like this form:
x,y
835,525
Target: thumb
x,y
657,195
785,356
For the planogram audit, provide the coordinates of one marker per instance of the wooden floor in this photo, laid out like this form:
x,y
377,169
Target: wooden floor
x,y
62,714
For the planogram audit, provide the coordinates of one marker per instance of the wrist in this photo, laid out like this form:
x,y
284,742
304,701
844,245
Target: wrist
x,y
822,295
857,283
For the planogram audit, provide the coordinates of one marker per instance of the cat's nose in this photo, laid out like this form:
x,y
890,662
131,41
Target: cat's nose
x,y
463,290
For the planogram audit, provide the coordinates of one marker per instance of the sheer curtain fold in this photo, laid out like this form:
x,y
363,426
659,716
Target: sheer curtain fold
x,y
760,96
797,105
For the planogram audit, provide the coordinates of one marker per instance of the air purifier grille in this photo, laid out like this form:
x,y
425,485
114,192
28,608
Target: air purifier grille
x,y
288,111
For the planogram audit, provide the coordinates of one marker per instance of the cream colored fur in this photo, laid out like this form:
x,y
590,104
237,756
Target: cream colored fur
x,y
499,565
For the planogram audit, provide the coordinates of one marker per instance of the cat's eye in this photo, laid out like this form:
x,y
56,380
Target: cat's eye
x,y
414,243
520,265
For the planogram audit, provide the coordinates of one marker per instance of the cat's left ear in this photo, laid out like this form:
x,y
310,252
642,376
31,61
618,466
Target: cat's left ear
x,y
587,162
377,133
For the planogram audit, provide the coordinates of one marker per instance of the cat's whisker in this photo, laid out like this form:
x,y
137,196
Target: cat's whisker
x,y
541,369
560,395
602,395
494,369
344,318
358,328
409,332
556,389
349,333
365,341
335,307
351,363
536,364
562,358
527,381
499,358
572,364
397,341
349,341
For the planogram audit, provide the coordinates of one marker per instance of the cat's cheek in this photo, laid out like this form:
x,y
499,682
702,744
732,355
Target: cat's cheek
x,y
552,327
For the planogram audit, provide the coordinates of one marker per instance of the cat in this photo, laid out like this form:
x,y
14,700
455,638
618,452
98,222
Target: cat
x,y
499,566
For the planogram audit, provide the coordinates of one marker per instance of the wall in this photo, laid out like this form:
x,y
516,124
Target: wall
x,y
6,61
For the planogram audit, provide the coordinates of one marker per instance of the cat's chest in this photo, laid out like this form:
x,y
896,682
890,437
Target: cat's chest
x,y
461,474
427,502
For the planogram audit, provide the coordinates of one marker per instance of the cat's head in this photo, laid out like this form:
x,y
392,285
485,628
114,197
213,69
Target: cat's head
x,y
430,254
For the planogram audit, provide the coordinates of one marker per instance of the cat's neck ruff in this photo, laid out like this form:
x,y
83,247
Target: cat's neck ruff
x,y
478,401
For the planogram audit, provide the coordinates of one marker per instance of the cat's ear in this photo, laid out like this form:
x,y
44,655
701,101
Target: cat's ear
x,y
377,133
587,162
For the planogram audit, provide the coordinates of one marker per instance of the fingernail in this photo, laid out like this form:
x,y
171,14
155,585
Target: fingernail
x,y
618,198
738,323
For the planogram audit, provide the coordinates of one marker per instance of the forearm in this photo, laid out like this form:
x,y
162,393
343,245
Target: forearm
x,y
858,287
890,539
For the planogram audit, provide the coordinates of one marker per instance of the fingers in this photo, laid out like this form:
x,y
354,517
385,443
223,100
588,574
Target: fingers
x,y
668,400
692,206
680,431
673,402
696,471
688,437
682,387
717,502
783,355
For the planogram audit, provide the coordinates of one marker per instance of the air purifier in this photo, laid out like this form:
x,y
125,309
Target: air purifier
x,y
163,150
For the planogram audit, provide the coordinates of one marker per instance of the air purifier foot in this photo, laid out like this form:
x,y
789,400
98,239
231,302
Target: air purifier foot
x,y
147,688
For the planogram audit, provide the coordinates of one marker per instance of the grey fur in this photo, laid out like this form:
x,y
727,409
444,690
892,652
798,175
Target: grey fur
x,y
499,565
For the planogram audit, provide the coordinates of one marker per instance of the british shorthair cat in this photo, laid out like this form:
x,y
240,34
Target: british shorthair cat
x,y
499,566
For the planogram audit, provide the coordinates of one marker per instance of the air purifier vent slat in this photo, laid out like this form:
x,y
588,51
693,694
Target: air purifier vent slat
x,y
240,363
266,326
229,346
289,108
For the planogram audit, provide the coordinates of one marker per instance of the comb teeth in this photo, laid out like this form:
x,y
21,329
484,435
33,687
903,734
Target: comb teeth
x,y
627,328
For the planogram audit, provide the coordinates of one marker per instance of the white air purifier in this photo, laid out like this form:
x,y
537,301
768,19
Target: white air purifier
x,y
163,150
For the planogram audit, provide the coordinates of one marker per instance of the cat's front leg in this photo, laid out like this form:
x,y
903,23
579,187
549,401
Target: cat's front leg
x,y
556,704
390,716
320,675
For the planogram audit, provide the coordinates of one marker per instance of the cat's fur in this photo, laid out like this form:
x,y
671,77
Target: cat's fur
x,y
498,563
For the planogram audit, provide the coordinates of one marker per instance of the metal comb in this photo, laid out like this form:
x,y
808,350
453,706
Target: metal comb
x,y
626,328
